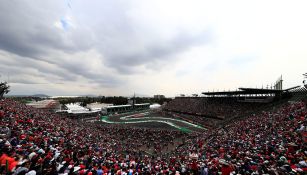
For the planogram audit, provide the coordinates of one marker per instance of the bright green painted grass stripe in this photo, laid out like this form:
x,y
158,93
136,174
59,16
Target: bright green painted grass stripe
x,y
163,118
183,129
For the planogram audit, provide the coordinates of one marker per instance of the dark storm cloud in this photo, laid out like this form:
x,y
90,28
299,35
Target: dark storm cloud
x,y
29,32
21,66
159,51
126,44
44,38
93,77
28,29
24,81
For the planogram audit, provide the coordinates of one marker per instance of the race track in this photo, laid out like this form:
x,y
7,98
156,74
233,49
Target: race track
x,y
149,118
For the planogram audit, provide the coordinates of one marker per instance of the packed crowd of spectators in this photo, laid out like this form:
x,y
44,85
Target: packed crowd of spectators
x,y
38,142
215,107
267,143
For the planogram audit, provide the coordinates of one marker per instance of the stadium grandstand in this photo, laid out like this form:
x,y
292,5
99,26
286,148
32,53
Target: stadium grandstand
x,y
299,92
48,105
221,106
247,131
92,110
124,108
229,102
78,112
77,108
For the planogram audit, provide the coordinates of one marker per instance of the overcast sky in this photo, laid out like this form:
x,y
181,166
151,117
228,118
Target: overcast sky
x,y
109,47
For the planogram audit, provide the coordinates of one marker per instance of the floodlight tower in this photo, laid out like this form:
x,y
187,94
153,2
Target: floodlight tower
x,y
305,79
4,89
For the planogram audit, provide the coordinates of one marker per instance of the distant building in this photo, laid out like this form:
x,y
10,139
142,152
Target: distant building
x,y
155,106
131,101
76,108
48,105
97,106
159,96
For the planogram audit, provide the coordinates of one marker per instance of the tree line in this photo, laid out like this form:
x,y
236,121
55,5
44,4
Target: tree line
x,y
116,100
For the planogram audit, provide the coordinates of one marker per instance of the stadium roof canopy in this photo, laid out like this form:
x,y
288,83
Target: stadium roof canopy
x,y
244,91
